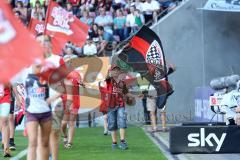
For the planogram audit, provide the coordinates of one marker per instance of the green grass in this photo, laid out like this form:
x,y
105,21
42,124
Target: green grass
x,y
20,141
91,144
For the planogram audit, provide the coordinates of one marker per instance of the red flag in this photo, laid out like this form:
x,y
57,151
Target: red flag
x,y
63,26
18,48
36,27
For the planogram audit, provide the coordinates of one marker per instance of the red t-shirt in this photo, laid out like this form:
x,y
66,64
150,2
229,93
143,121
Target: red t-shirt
x,y
105,91
5,94
74,2
118,89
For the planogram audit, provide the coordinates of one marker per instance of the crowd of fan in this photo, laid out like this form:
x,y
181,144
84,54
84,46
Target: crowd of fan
x,y
110,21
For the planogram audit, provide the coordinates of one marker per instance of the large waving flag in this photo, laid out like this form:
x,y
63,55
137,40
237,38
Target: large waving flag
x,y
36,27
18,48
145,55
63,26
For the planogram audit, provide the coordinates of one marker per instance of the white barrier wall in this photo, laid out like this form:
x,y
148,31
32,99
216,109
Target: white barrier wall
x,y
203,45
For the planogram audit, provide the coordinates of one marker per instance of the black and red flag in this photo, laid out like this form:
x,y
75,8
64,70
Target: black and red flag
x,y
145,55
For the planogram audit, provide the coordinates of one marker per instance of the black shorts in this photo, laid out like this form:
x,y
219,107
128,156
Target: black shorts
x,y
12,107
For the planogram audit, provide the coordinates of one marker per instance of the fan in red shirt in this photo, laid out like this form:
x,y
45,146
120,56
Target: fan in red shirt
x,y
116,109
5,103
105,88
75,4
71,99
71,102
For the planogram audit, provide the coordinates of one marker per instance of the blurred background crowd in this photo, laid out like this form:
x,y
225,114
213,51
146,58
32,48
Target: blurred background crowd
x,y
110,21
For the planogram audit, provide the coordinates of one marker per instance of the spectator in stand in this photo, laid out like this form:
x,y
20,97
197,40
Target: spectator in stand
x,y
38,12
105,21
100,4
112,49
25,2
87,5
46,3
118,4
102,41
23,10
86,18
69,54
130,21
69,7
119,25
167,4
90,48
18,16
138,4
108,5
75,4
150,10
33,2
102,34
93,33
129,3
139,19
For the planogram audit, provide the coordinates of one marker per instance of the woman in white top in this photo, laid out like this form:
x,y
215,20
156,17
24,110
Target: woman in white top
x,y
38,12
38,112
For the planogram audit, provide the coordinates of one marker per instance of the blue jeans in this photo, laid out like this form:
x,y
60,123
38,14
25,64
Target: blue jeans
x,y
116,118
122,33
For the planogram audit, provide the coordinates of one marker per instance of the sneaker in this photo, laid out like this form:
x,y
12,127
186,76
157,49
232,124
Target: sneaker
x,y
114,146
123,146
68,146
164,130
105,133
7,153
12,146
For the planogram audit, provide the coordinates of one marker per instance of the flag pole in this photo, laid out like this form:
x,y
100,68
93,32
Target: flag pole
x,y
47,13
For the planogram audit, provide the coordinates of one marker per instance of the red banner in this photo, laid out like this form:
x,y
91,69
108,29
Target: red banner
x,y
36,27
63,26
18,48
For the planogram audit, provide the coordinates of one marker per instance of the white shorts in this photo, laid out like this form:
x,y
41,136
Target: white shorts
x,y
4,109
151,104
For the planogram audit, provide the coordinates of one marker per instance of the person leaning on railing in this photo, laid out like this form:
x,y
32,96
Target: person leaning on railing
x,y
90,48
